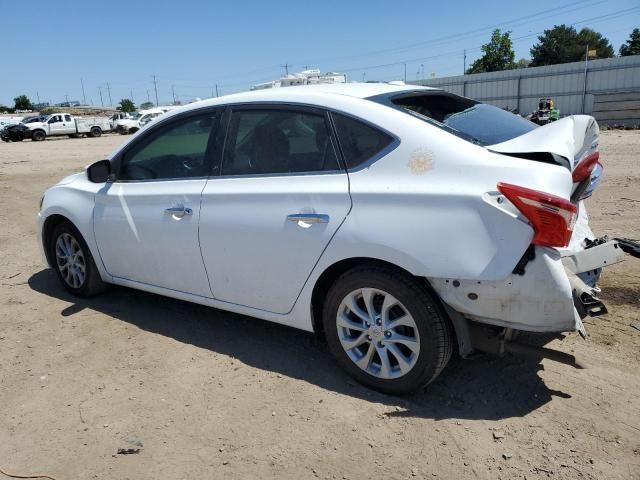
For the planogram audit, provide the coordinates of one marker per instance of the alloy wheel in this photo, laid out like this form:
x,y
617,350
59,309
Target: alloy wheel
x,y
378,333
71,260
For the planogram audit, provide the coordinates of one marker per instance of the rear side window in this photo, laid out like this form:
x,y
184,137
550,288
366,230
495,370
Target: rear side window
x,y
67,118
266,141
360,142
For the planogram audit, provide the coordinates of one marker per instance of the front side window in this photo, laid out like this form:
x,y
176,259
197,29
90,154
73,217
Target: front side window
x,y
265,141
178,150
67,118
55,119
360,142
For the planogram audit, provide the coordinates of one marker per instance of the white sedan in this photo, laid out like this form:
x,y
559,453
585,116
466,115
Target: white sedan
x,y
404,223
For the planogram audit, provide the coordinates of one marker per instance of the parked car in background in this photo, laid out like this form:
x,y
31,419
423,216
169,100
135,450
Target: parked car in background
x,y
65,124
15,133
135,121
402,222
113,119
19,131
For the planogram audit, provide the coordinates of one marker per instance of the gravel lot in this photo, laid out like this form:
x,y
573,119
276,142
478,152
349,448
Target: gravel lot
x,y
211,394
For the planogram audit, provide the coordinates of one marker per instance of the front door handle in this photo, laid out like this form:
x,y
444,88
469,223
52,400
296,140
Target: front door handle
x,y
178,212
308,217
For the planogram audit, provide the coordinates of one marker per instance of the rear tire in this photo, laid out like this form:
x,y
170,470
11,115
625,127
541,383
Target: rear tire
x,y
72,260
38,136
95,132
399,344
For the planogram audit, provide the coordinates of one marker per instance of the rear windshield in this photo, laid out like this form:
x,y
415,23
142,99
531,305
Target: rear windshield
x,y
476,122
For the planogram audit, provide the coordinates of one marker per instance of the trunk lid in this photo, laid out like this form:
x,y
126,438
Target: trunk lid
x,y
572,138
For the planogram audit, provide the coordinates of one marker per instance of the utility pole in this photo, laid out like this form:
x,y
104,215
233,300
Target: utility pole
x,y
173,94
84,98
464,68
216,89
286,68
584,86
100,90
148,97
131,94
405,73
109,92
422,71
66,99
38,95
364,74
155,86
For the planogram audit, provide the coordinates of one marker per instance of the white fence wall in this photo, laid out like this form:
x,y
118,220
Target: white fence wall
x,y
522,88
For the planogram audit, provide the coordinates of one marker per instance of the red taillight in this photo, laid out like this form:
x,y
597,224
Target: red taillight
x,y
551,217
585,167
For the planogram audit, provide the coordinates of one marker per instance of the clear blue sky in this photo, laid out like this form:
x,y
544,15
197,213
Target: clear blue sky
x,y
194,44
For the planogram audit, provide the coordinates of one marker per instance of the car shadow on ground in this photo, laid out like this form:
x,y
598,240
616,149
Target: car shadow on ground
x,y
485,388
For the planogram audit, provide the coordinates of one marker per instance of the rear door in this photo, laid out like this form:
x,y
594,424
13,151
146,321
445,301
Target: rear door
x,y
276,200
146,222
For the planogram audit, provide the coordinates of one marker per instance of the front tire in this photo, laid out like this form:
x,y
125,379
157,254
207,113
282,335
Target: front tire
x,y
387,329
38,136
72,260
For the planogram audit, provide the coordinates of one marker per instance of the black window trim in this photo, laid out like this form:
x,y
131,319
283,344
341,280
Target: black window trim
x,y
166,124
395,141
266,105
217,142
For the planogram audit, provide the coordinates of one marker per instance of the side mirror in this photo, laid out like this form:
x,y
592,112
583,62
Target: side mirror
x,y
99,172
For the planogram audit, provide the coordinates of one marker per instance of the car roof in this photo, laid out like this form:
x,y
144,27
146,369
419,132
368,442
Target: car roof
x,y
294,93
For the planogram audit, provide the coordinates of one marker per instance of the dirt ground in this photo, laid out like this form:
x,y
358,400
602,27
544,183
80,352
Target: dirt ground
x,y
211,394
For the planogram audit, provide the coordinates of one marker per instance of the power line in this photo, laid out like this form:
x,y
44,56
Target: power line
x,y
609,16
447,38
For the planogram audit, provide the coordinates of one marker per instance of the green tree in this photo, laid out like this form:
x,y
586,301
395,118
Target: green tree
x,y
588,37
563,44
632,46
522,63
146,106
22,102
497,55
127,105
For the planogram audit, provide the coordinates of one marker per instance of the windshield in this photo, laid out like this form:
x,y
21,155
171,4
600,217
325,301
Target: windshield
x,y
135,115
476,122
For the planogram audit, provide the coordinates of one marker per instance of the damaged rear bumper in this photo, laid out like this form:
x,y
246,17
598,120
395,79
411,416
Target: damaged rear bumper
x,y
547,295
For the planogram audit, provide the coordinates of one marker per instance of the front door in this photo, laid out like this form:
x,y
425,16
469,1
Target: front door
x,y
279,197
146,222
58,125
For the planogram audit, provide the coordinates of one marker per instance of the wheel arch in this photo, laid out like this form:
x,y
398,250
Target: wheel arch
x,y
50,223
333,272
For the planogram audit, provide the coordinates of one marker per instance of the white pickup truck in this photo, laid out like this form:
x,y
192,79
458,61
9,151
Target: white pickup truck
x,y
58,124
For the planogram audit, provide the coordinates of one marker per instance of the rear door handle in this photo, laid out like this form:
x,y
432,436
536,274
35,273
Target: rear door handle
x,y
179,211
308,217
